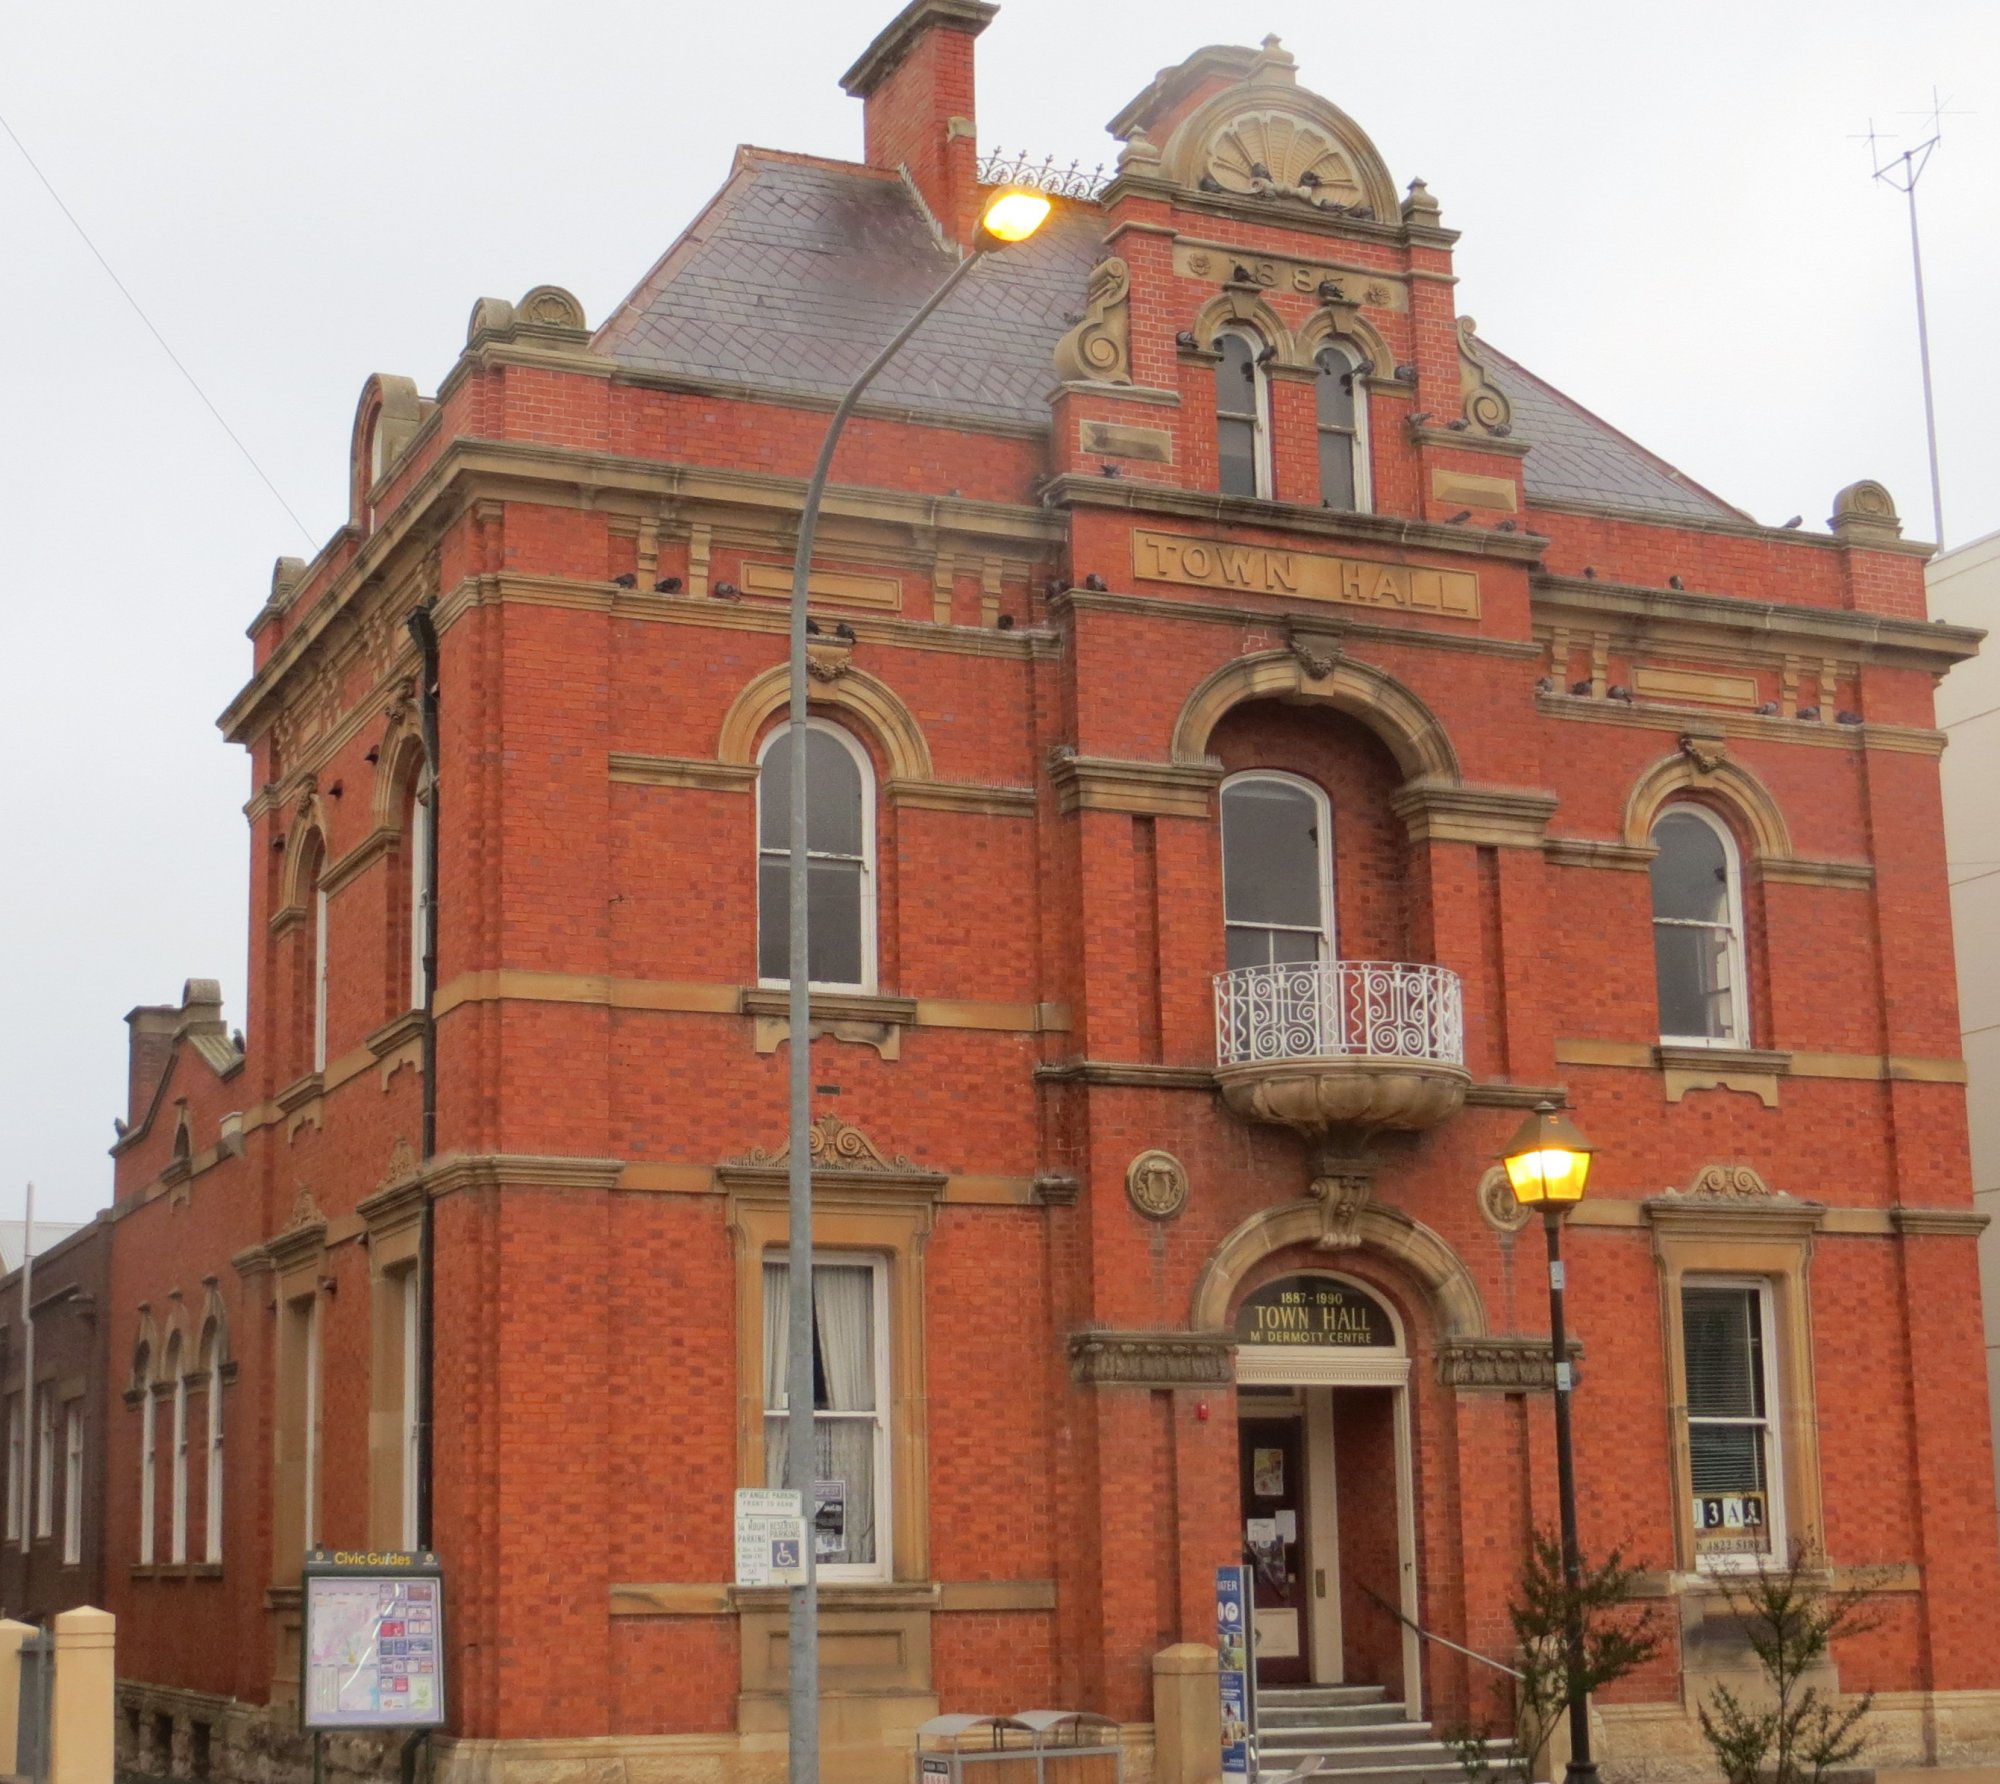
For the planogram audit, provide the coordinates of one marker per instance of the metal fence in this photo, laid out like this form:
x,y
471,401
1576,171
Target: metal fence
x,y
1330,1009
998,168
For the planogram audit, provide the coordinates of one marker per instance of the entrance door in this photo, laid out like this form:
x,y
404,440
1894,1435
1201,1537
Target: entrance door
x,y
1275,1544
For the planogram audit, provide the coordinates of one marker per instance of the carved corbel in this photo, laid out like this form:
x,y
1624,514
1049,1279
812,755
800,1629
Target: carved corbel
x,y
1343,1186
1098,349
1485,404
1707,750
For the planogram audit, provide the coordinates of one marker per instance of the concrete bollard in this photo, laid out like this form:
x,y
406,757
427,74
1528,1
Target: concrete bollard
x,y
86,1697
12,1635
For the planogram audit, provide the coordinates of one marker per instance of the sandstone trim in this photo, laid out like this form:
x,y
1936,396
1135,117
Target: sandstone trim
x,y
1152,1359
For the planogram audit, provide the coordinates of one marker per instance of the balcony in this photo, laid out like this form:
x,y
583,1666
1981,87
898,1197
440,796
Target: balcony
x,y
1340,1049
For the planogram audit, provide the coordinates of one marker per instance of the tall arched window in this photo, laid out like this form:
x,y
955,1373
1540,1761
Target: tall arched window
x,y
840,870
1698,929
1241,410
1277,870
211,1366
312,954
177,1526
418,830
142,1376
1343,430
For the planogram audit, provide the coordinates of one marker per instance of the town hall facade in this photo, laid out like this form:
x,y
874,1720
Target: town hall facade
x,y
1264,741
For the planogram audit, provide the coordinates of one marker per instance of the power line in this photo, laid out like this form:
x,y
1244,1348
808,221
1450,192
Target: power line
x,y
84,234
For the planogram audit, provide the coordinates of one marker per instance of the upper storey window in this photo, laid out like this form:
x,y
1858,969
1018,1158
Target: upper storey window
x,y
1241,411
1698,929
1277,871
1343,443
840,866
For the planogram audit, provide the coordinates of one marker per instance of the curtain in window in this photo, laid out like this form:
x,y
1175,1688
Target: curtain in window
x,y
846,1418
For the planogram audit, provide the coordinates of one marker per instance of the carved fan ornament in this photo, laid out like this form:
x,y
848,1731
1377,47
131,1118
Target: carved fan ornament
x,y
1270,154
834,1146
1730,1182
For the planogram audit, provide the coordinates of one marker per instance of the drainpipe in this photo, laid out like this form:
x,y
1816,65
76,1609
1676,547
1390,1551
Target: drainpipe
x,y
424,631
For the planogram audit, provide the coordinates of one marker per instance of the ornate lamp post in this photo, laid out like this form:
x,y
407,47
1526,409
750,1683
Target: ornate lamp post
x,y
1547,1164
1010,216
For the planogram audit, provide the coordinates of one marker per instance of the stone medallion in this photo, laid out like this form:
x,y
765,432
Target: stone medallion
x,y
1157,1182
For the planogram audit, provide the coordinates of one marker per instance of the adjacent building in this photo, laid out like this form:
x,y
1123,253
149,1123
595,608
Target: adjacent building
x,y
1265,739
1965,590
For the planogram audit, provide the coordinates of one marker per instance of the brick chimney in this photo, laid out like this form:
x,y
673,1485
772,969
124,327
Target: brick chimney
x,y
915,80
152,1028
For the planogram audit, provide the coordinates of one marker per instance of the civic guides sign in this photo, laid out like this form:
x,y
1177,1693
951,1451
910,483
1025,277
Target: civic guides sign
x,y
1233,1648
371,1647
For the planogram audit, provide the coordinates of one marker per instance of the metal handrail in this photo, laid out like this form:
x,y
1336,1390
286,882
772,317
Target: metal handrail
x,y
1443,1641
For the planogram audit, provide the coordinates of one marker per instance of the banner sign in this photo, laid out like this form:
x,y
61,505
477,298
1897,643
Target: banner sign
x,y
371,1645
1233,1646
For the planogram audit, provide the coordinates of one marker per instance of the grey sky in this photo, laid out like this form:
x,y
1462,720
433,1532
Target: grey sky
x,y
1663,215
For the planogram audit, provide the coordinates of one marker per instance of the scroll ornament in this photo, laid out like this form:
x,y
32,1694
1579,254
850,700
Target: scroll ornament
x,y
1098,349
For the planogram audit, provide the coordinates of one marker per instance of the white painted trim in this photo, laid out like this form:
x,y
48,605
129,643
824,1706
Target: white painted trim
x,y
1329,1662
1773,1423
1739,990
865,767
1329,948
1406,1557
1260,396
1274,1365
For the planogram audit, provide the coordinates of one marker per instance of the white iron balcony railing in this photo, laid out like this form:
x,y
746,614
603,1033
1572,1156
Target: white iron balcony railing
x,y
1332,1009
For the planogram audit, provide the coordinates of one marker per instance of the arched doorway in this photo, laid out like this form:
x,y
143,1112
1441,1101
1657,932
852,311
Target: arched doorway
x,y
1328,1507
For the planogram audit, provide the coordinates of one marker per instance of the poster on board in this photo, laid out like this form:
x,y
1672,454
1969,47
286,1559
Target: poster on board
x,y
371,1647
1234,1650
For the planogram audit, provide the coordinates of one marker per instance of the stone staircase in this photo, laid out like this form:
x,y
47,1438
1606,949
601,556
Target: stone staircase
x,y
1357,1735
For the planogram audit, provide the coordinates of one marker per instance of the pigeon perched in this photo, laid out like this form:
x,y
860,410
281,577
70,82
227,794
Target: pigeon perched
x,y
667,585
629,580
1675,582
844,632
1095,583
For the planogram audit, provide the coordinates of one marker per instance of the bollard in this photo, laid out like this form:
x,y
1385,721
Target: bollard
x,y
12,1635
86,1697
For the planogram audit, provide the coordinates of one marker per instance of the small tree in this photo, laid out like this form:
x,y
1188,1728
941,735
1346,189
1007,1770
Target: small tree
x,y
1791,1619
1618,1639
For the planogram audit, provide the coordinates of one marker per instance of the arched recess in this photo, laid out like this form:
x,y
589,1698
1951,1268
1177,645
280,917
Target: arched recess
x,y
1410,729
399,756
1729,783
212,1341
887,719
145,1348
386,419
1386,1233
1345,324
307,834
1247,309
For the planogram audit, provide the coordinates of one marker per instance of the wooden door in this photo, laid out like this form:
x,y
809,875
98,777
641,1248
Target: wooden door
x,y
1272,1455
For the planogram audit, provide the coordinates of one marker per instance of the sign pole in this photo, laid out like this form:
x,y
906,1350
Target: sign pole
x,y
28,1378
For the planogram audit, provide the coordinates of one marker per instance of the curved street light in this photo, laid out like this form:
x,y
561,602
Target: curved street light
x,y
1011,215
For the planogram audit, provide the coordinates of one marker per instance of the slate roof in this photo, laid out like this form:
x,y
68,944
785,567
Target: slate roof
x,y
799,271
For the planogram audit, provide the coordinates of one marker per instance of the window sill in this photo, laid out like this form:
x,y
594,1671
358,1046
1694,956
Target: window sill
x,y
409,1026
171,1570
1696,1065
858,1016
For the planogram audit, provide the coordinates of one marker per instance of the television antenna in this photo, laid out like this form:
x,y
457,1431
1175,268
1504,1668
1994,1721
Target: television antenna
x,y
1903,171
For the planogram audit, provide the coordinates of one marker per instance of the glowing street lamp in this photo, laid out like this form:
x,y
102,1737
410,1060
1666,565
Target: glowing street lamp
x,y
1547,1164
1011,215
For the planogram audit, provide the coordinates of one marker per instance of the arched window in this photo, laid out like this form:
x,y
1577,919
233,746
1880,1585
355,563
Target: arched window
x,y
1277,870
1343,430
313,953
211,1366
418,830
177,1543
1241,408
840,870
142,1376
1698,929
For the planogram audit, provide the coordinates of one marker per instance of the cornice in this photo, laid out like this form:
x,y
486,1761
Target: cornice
x,y
1279,619
1774,1216
1152,1359
1367,531
1585,851
1262,215
505,1170
1132,1075
1658,715
1163,789
1501,1365
961,796
1874,637
1453,440
468,468
1939,1223
682,771
1498,817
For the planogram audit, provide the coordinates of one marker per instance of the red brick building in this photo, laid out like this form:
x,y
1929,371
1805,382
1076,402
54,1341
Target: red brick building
x,y
1265,739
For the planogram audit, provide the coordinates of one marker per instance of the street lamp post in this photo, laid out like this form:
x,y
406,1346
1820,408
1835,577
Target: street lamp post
x,y
1547,1164
1011,216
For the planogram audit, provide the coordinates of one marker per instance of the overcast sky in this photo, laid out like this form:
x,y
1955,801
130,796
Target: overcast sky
x,y
1665,213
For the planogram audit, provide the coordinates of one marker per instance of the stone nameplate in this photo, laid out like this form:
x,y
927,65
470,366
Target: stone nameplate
x,y
1316,1311
1273,272
1303,575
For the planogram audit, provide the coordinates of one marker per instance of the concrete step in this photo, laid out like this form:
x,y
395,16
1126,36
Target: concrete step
x,y
1287,1754
1346,1715
1365,1736
1448,1771
1293,1697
